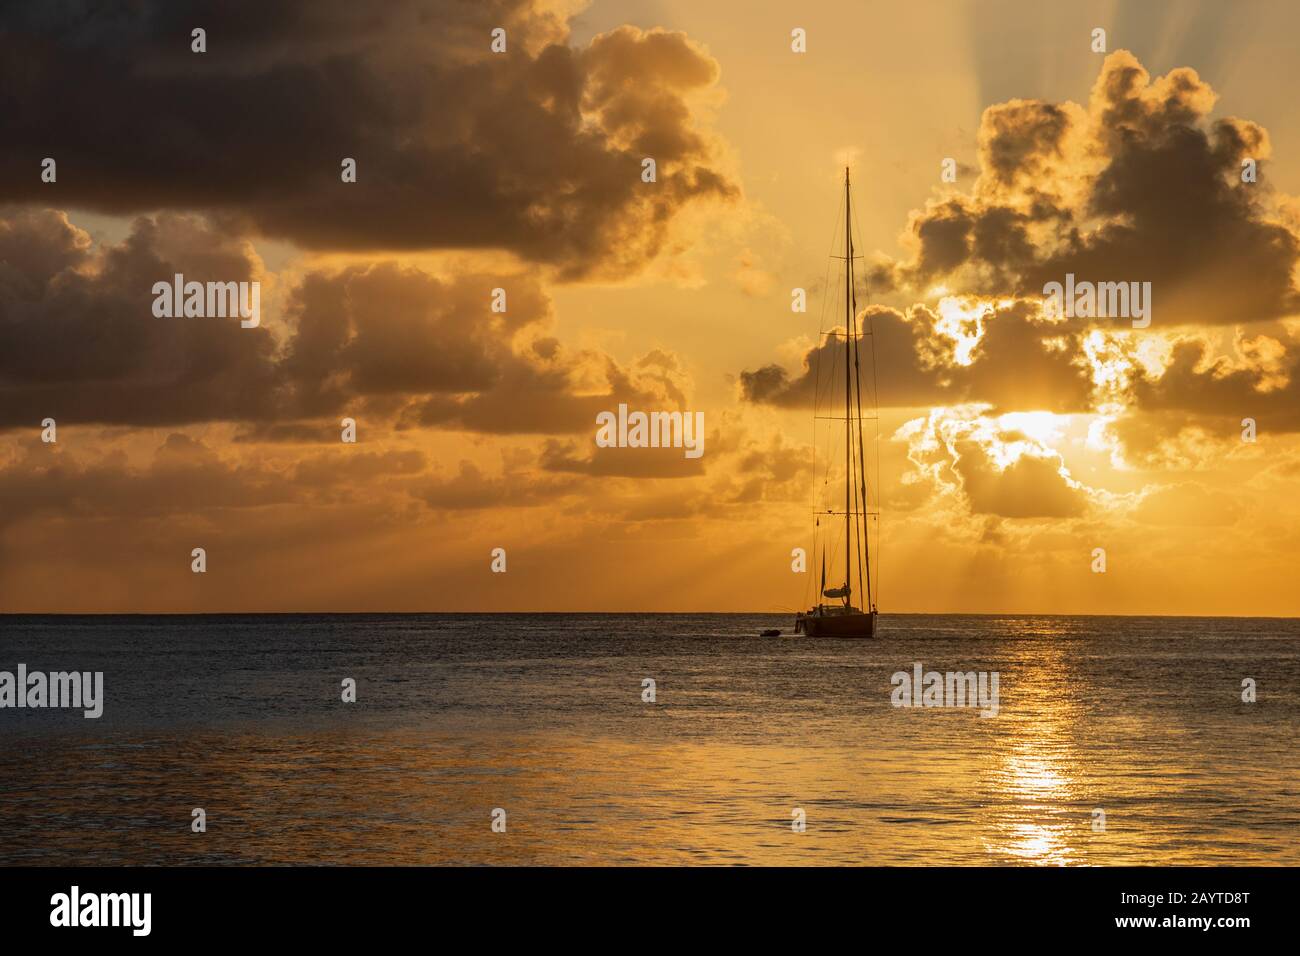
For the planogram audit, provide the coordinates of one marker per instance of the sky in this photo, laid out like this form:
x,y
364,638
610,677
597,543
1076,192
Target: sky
x,y
1013,443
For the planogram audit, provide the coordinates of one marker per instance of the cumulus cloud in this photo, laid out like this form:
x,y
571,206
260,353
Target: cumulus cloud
x,y
1138,184
79,343
999,465
964,349
1260,380
536,150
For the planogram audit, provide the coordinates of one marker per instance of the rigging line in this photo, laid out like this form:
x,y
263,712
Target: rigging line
x,y
875,400
862,467
852,374
863,584
848,375
862,471
817,383
816,370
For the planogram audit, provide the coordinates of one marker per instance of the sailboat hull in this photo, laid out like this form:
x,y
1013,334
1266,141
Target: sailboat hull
x,y
836,625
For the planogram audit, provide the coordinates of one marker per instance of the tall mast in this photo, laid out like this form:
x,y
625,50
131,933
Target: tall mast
x,y
848,406
863,565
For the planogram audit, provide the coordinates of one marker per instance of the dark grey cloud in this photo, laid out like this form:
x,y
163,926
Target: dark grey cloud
x,y
380,342
79,341
537,150
1012,367
1200,383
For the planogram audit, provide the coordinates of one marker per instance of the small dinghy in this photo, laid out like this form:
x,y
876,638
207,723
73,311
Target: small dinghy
x,y
770,632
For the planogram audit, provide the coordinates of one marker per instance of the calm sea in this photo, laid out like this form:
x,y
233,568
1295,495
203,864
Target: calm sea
x,y
543,717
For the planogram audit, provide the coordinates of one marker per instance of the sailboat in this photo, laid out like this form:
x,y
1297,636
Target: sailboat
x,y
835,614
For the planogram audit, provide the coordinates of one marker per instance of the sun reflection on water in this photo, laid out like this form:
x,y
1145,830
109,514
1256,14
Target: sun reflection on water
x,y
1037,815
1032,831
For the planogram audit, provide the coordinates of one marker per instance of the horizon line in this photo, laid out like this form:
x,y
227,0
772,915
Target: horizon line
x,y
7,614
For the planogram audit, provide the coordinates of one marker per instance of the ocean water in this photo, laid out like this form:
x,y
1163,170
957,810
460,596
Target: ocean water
x,y
542,716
